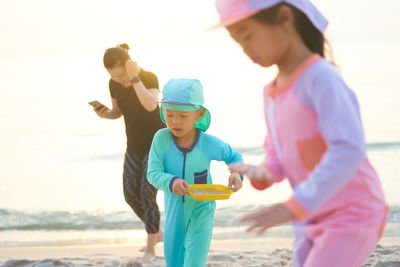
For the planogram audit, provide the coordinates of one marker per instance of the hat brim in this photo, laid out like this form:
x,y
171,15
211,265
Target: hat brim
x,y
203,124
305,6
231,21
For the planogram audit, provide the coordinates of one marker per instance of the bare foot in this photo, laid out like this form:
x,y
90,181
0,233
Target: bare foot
x,y
147,258
152,240
160,236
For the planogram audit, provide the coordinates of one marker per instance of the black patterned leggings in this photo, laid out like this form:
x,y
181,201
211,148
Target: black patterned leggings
x,y
139,193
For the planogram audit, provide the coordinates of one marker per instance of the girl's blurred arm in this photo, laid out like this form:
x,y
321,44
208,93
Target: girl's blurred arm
x,y
267,217
271,161
269,172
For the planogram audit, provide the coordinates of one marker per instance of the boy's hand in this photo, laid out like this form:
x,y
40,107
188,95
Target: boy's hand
x,y
180,187
235,183
267,217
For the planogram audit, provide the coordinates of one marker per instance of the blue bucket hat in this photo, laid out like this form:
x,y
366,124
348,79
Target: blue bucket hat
x,y
185,95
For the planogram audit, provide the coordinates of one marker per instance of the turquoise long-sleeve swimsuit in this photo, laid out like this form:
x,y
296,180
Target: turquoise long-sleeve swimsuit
x,y
188,222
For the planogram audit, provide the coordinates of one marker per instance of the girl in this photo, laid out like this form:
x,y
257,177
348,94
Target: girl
x,y
315,137
134,94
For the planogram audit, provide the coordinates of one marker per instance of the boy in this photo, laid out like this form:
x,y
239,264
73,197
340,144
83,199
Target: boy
x,y
181,155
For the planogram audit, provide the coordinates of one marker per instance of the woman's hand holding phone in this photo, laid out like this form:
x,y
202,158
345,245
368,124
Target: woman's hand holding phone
x,y
102,112
100,109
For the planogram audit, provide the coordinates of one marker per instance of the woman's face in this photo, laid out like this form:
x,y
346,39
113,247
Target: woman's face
x,y
264,44
119,75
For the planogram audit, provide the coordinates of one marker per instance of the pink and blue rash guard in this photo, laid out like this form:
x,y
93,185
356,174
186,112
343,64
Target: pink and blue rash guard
x,y
315,139
188,222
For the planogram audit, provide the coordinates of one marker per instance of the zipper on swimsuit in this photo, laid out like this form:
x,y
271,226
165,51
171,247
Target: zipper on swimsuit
x,y
184,166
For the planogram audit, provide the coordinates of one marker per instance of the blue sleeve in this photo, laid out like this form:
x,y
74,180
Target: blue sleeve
x,y
155,171
216,149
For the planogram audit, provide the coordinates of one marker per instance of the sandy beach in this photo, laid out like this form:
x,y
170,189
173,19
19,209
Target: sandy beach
x,y
257,252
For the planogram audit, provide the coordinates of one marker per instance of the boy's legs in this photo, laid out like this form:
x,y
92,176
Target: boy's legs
x,y
198,236
174,231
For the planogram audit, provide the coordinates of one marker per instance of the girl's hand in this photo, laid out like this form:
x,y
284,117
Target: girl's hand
x,y
267,217
132,69
234,182
260,178
180,187
251,171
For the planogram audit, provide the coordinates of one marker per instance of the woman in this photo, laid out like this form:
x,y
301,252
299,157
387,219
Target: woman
x,y
134,94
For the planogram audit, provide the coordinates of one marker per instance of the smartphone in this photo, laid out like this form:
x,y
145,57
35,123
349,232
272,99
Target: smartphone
x,y
96,104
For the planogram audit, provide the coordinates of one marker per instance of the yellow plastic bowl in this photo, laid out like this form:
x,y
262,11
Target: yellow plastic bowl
x,y
226,195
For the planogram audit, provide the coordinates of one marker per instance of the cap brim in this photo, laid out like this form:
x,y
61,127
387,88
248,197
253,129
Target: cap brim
x,y
229,22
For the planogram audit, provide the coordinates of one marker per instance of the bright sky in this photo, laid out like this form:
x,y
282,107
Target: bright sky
x,y
55,27
66,40
47,27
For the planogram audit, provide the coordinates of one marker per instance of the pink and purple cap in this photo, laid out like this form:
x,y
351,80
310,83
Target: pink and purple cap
x,y
232,11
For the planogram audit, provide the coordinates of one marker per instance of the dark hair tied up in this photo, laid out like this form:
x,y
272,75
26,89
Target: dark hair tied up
x,y
116,56
124,46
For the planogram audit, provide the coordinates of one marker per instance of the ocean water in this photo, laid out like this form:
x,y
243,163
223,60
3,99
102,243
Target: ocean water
x,y
61,165
61,168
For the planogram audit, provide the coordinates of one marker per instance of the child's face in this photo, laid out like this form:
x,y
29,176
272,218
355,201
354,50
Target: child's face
x,y
264,44
181,123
